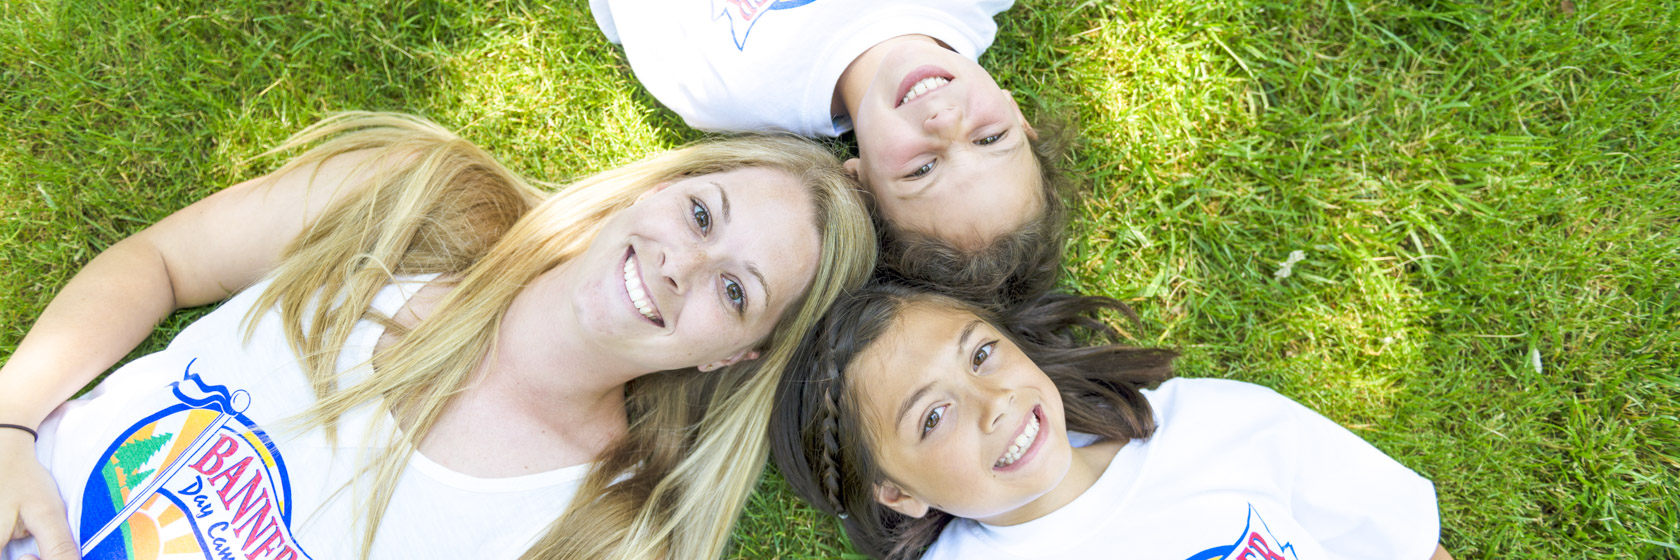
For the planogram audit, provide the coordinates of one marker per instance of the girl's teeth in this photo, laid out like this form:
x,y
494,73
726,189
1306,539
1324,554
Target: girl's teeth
x,y
922,87
1021,443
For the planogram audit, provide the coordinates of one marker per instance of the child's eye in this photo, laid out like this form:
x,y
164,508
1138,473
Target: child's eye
x,y
989,140
702,218
736,294
925,169
982,353
932,420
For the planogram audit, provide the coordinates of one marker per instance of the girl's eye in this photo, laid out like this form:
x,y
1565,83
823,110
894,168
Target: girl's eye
x,y
982,353
736,294
925,169
702,218
989,140
932,420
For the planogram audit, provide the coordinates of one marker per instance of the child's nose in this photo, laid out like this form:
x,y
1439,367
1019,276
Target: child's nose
x,y
998,403
943,121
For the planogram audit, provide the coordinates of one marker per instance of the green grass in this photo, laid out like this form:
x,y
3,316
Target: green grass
x,y
1473,187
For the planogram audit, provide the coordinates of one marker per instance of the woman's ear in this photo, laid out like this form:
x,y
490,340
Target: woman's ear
x,y
890,495
739,357
851,166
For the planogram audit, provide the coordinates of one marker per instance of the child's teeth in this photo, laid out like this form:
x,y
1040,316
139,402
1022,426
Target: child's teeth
x,y
1021,443
922,87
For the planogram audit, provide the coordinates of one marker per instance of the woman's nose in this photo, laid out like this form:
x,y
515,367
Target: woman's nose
x,y
680,266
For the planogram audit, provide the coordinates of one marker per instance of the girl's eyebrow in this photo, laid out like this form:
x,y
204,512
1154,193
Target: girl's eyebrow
x,y
904,408
962,342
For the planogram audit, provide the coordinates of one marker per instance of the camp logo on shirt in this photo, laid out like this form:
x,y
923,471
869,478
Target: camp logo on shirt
x,y
742,15
1256,543
197,479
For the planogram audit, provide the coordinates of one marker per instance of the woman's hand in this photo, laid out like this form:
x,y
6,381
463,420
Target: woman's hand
x,y
29,500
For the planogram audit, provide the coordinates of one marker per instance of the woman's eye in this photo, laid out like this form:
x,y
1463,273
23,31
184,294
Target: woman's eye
x,y
982,353
702,218
932,420
925,169
989,140
736,294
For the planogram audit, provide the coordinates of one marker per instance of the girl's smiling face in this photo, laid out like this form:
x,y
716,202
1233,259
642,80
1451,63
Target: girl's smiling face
x,y
946,151
959,419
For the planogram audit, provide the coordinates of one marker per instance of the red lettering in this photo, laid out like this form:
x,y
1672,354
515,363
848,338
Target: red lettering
x,y
221,450
228,476
748,8
251,492
267,545
253,521
287,553
1256,542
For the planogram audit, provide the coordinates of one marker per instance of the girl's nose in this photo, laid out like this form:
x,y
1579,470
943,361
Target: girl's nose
x,y
996,402
943,121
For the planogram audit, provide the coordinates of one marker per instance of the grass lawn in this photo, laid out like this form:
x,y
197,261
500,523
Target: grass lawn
x,y
1486,198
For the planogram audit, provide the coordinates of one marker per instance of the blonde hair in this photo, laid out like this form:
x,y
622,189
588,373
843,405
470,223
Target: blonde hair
x,y
673,485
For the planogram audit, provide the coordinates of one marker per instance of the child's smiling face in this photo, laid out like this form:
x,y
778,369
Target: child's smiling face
x,y
959,418
944,149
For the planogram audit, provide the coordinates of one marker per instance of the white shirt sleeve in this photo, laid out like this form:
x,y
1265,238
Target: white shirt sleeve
x,y
602,10
1356,501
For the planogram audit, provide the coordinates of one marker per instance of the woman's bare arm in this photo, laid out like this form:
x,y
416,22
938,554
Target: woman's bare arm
x,y
1440,553
199,255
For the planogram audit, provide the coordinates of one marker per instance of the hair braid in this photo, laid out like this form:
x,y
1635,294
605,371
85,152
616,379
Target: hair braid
x,y
830,444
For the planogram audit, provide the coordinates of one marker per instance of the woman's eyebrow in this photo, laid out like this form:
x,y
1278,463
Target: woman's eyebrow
x,y
724,200
753,268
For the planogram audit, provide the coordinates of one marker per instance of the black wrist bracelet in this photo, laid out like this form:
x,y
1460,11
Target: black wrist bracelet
x,y
32,434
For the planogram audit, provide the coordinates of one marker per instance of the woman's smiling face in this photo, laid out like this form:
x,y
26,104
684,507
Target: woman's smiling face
x,y
960,419
698,271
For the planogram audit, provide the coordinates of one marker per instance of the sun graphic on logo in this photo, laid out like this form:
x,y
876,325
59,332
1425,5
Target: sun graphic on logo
x,y
161,531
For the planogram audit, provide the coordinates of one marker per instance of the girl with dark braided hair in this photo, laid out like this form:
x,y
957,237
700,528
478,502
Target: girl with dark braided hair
x,y
935,429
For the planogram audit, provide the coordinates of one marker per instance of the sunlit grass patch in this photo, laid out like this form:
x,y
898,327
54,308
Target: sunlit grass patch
x,y
1485,197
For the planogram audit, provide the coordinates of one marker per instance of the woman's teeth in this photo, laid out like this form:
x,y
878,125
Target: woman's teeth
x,y
1022,443
924,86
638,296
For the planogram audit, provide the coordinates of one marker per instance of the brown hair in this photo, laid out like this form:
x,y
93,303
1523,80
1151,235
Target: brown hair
x,y
1013,267
822,448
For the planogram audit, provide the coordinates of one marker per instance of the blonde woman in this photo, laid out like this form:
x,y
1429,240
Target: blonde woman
x,y
425,356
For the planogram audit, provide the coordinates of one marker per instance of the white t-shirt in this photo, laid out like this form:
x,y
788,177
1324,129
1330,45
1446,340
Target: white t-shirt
x,y
192,453
764,65
1234,471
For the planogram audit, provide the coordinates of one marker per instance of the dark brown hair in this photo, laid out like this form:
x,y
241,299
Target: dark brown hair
x,y
822,449
1009,269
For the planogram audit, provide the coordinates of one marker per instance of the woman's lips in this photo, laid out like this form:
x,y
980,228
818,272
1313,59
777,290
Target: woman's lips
x,y
636,290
